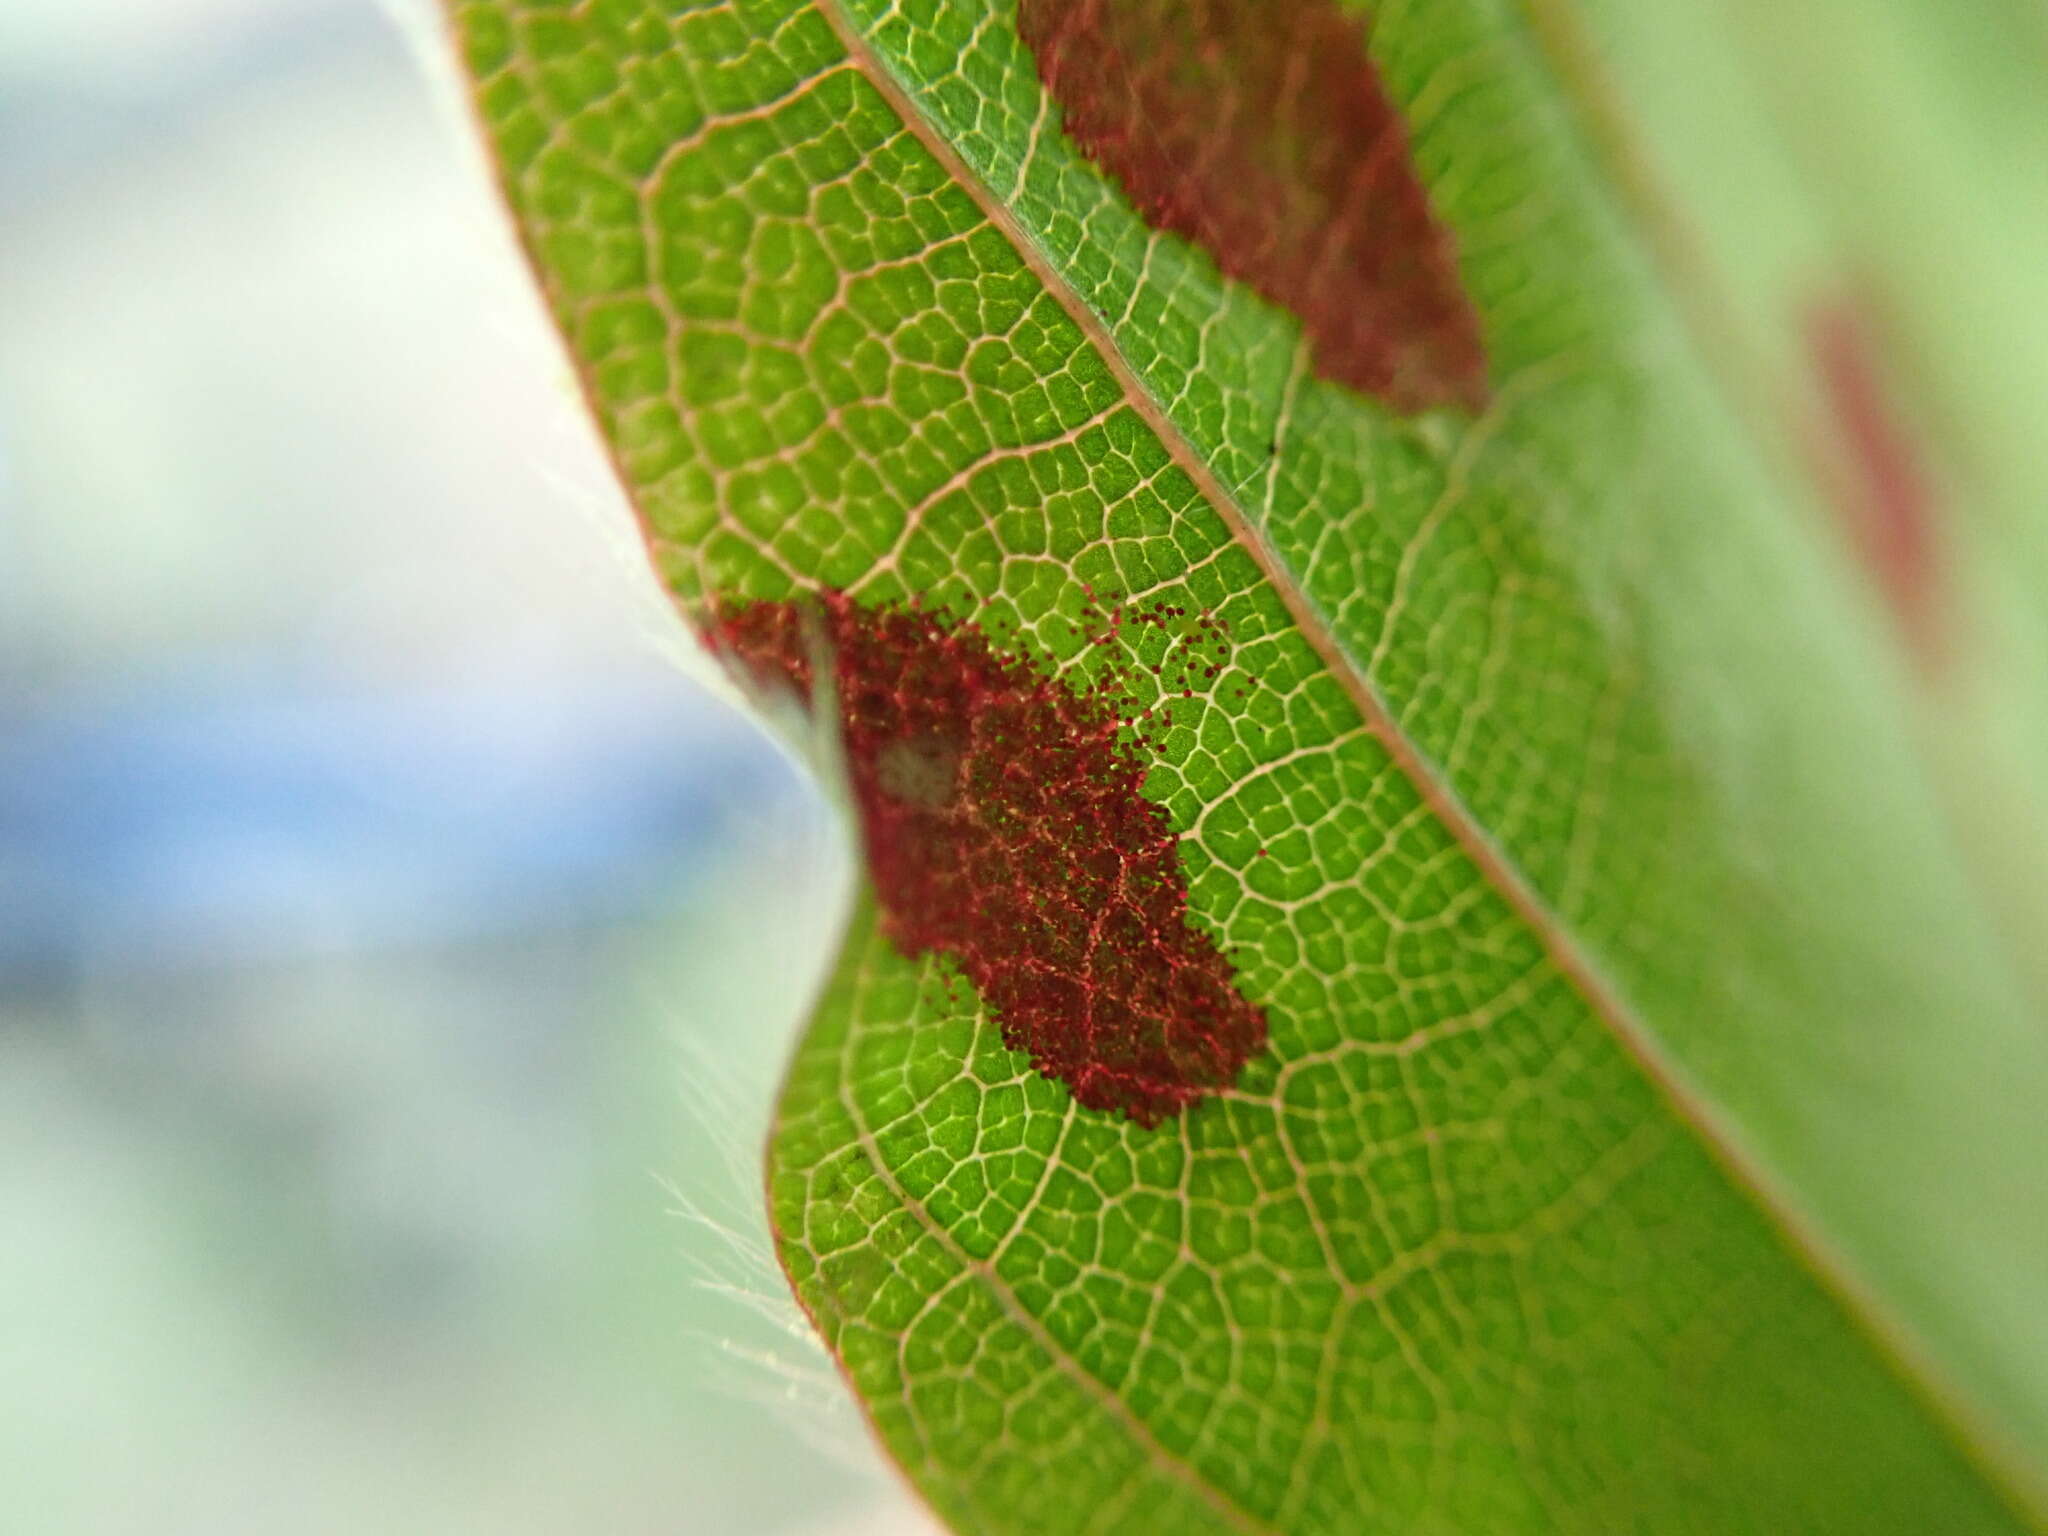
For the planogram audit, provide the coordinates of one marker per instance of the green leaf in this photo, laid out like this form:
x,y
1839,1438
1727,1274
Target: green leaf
x,y
1650,1133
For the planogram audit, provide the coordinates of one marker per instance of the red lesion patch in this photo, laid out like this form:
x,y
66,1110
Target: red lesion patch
x,y
1259,129
1005,827
1881,486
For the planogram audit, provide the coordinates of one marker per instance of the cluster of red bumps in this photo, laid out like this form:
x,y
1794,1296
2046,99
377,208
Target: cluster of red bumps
x,y
1005,827
1260,130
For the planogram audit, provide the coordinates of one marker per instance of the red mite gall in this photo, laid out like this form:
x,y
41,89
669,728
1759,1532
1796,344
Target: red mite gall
x,y
1005,826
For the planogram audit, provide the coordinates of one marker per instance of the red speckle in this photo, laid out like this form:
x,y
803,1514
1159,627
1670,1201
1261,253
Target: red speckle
x,y
1884,494
1005,826
1259,129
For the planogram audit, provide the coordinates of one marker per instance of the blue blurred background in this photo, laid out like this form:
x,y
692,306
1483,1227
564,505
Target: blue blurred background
x,y
397,943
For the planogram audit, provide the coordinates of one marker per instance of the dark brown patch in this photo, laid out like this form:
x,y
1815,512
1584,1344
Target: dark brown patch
x,y
1259,130
1004,825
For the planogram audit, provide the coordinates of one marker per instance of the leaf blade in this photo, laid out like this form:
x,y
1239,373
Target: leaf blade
x,y
703,472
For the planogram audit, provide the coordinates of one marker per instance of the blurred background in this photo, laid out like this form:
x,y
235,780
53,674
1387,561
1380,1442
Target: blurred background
x,y
397,944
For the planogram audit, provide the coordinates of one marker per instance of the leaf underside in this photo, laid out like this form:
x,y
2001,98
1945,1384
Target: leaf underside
x,y
1512,815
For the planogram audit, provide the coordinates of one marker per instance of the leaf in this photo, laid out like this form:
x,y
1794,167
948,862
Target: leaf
x,y
1648,1131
